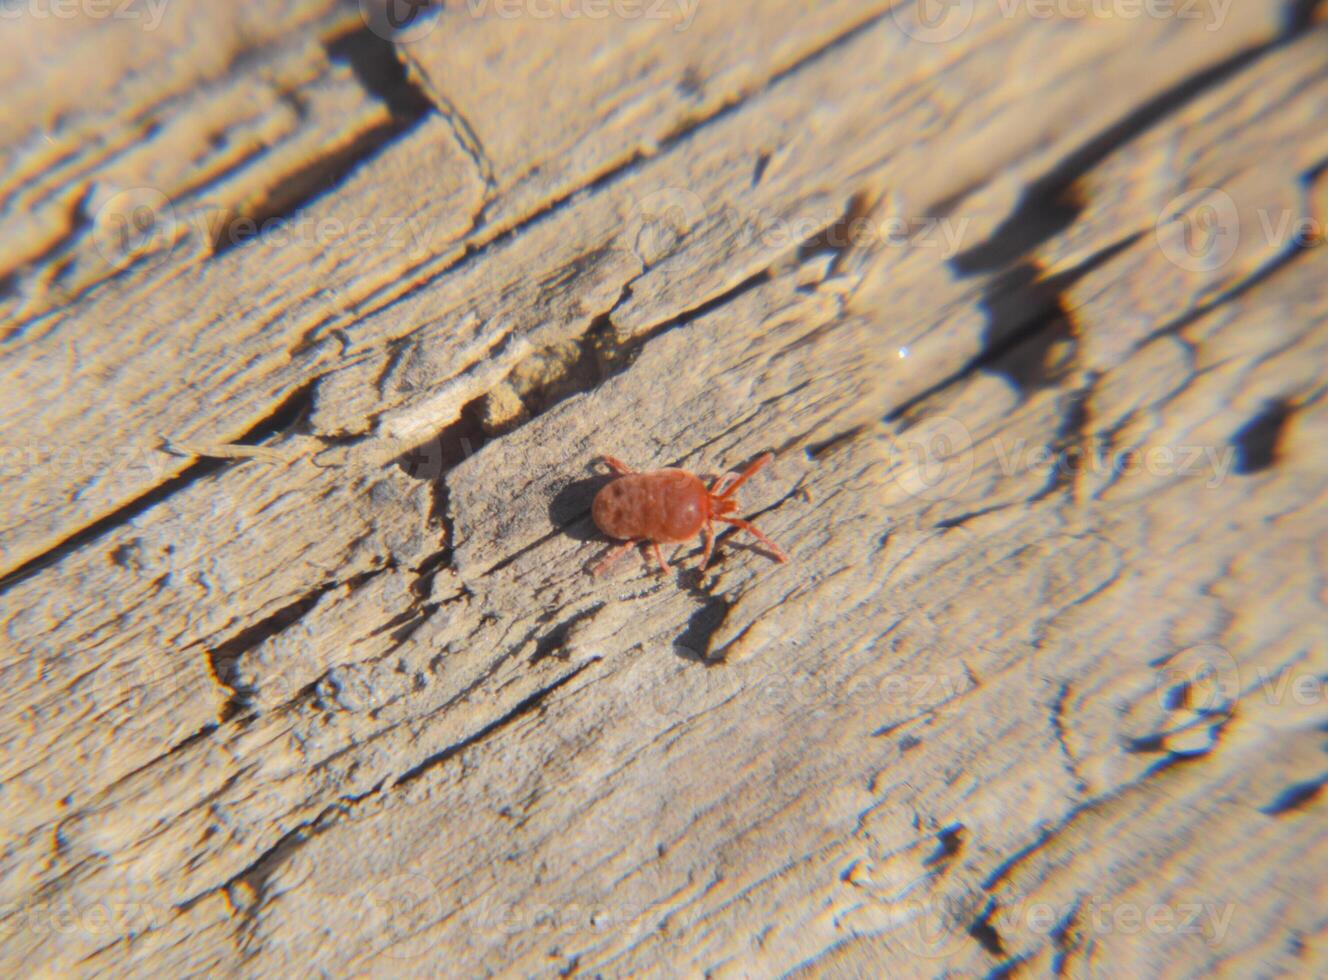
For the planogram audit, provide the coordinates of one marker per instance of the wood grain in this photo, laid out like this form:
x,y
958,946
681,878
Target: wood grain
x,y
302,667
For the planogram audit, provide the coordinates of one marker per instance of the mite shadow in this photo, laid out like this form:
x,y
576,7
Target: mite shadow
x,y
569,511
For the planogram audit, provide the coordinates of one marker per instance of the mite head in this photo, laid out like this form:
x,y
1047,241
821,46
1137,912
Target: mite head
x,y
722,505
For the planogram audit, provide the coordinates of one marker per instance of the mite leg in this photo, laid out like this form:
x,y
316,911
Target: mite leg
x,y
732,487
751,528
617,465
708,532
614,554
659,557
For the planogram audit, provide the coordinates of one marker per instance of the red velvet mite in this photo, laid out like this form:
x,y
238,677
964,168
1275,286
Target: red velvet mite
x,y
668,507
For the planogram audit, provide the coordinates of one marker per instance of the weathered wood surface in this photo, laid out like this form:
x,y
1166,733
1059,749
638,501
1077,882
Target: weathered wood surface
x,y
302,670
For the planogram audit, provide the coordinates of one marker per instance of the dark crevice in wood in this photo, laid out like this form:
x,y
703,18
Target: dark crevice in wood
x,y
816,451
225,656
691,125
758,171
374,63
1072,444
633,347
985,933
554,642
432,461
602,357
1301,15
406,630
285,418
376,66
1057,717
959,520
79,222
1053,202
1276,265
1028,323
1295,797
1064,941
619,171
1256,441
281,419
1149,744
428,571
198,736
528,705
693,643
598,357
297,190
259,871
841,234
105,525
539,542
949,842
1031,334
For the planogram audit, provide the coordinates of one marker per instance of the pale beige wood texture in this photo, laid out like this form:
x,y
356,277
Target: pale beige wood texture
x,y
302,669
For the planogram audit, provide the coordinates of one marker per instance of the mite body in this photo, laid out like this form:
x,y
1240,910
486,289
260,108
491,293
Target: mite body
x,y
668,507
